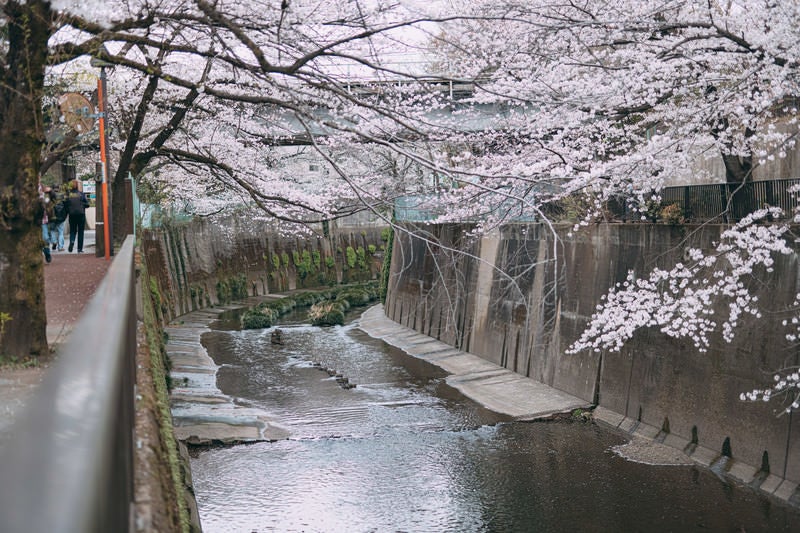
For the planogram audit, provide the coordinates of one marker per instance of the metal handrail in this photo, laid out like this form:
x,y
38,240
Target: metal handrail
x,y
69,467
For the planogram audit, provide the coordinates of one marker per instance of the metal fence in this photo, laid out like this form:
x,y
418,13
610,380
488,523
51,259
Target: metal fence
x,y
730,202
69,467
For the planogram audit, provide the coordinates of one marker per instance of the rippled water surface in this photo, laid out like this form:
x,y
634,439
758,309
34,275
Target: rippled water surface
x,y
404,452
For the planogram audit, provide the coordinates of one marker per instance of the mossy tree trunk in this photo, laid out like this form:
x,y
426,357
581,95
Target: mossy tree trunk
x,y
27,28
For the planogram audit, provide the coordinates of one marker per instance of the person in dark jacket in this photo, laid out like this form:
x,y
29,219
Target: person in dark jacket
x,y
76,206
56,222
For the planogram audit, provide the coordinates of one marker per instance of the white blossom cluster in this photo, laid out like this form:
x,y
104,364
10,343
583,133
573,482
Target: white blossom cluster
x,y
785,384
685,301
608,98
793,322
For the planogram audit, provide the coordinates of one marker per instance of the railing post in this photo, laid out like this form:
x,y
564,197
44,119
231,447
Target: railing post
x,y
687,203
727,215
769,193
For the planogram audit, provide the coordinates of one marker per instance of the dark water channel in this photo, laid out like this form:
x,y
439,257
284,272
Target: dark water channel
x,y
405,452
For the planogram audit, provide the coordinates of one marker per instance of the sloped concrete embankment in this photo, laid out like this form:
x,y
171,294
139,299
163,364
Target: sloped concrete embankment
x,y
520,296
202,414
488,384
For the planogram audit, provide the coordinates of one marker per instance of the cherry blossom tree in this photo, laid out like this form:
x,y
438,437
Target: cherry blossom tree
x,y
494,110
222,90
207,92
617,99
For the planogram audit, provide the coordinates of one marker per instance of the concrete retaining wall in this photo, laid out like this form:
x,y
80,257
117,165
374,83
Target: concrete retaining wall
x,y
521,296
204,263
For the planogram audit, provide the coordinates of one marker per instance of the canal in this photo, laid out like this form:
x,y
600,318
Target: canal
x,y
403,451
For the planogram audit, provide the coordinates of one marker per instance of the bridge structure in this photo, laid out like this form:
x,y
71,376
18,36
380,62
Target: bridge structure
x,y
470,116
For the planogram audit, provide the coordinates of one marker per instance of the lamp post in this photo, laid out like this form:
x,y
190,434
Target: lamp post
x,y
104,166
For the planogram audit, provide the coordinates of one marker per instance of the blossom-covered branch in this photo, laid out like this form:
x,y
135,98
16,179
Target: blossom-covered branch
x,y
681,302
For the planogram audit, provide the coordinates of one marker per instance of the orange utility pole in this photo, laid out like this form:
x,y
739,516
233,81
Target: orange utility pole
x,y
101,103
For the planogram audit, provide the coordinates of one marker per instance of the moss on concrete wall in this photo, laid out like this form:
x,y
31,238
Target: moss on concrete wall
x,y
163,494
200,264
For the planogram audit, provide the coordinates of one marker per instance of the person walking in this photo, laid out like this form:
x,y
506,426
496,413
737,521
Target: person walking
x,y
47,212
76,207
57,220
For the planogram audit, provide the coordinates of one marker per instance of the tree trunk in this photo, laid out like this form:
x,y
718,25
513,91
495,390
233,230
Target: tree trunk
x,y
22,307
121,217
123,220
134,163
739,176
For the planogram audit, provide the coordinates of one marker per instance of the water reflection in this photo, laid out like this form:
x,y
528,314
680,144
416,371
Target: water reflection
x,y
405,452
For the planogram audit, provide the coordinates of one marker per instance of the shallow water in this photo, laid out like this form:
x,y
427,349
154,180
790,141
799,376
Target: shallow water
x,y
405,452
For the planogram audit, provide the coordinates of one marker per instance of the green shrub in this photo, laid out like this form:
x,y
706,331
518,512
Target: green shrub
x,y
258,318
372,249
285,259
355,297
361,258
238,287
281,307
223,291
351,257
155,294
326,314
276,261
234,288
386,233
330,262
307,299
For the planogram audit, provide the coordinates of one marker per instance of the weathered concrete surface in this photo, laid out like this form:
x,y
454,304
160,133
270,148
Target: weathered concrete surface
x,y
546,284
201,413
488,384
203,263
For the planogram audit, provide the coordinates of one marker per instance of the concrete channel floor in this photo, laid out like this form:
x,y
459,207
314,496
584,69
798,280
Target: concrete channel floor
x,y
204,415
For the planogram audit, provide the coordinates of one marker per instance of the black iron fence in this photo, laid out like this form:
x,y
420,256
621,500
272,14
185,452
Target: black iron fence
x,y
69,467
727,202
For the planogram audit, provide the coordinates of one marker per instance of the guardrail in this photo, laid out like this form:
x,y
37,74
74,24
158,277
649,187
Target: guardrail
x,y
69,467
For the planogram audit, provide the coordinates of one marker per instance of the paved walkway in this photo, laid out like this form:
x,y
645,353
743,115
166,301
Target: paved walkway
x,y
70,280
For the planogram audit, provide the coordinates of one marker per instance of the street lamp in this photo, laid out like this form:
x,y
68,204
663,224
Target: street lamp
x,y
104,172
